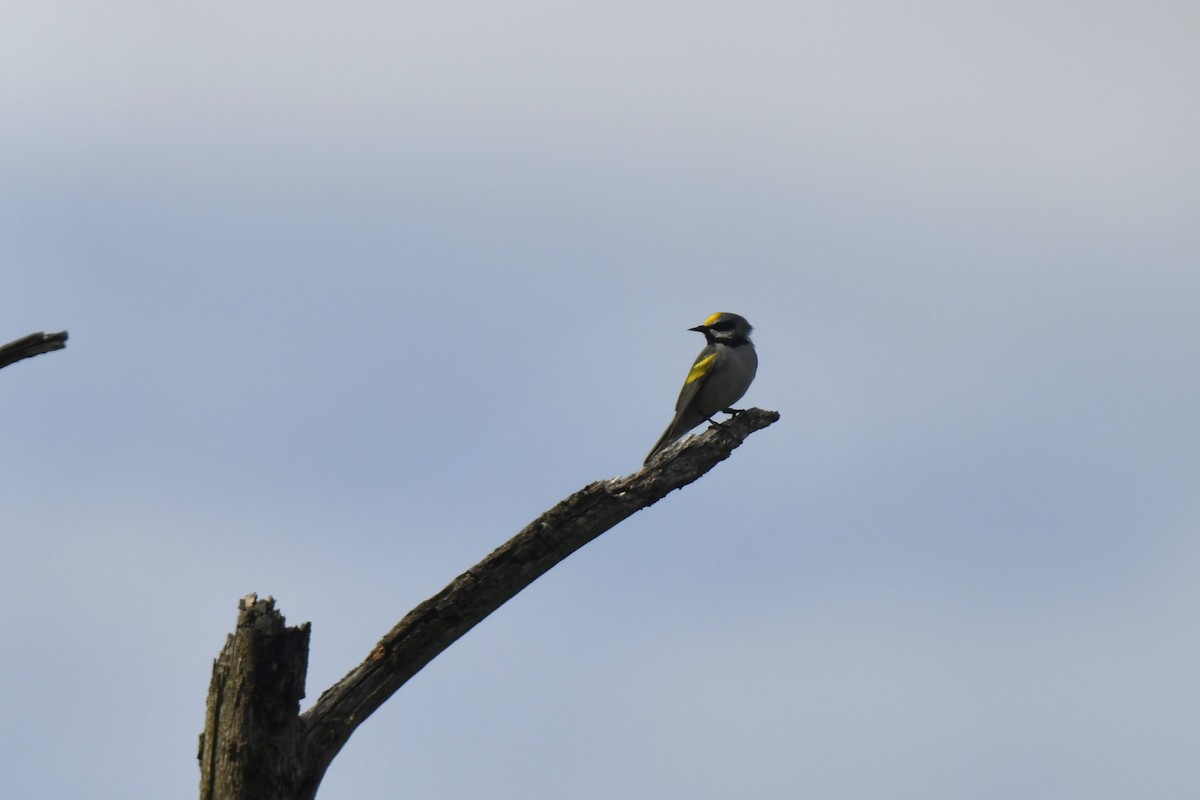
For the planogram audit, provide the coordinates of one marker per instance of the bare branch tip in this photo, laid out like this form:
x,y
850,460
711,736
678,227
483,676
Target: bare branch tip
x,y
35,344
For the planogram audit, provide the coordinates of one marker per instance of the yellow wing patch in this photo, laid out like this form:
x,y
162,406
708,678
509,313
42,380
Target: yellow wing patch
x,y
713,319
700,369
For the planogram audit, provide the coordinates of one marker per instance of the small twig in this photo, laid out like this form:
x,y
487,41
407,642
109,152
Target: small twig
x,y
32,345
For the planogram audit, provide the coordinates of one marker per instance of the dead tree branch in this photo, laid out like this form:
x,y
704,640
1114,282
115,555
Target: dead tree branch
x,y
32,345
303,747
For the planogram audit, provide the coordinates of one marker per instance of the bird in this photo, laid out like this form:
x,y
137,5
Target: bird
x,y
719,376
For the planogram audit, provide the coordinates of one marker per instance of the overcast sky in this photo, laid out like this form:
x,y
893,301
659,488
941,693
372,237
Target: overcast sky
x,y
357,290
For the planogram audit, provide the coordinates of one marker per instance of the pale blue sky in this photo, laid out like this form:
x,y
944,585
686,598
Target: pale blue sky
x,y
354,293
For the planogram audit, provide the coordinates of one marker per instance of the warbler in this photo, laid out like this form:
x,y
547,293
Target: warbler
x,y
719,377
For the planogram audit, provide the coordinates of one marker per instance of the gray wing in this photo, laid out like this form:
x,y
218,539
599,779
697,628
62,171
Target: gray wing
x,y
697,375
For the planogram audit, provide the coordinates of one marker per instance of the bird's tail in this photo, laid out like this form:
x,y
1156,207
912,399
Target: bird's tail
x,y
669,436
684,421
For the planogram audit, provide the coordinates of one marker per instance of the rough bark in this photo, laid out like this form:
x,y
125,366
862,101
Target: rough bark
x,y
257,747
32,345
249,748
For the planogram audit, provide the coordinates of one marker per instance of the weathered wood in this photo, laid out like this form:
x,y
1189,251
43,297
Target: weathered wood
x,y
32,345
256,747
252,726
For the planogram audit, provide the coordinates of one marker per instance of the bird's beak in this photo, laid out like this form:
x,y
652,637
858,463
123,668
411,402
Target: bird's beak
x,y
699,328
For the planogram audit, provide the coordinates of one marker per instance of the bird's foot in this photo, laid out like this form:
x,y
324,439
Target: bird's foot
x,y
732,412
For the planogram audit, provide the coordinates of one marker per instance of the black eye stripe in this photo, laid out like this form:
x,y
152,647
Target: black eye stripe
x,y
726,325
